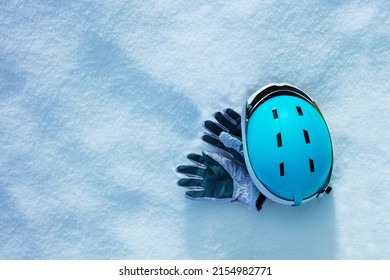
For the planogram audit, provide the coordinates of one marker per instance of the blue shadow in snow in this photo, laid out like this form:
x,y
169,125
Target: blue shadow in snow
x,y
105,61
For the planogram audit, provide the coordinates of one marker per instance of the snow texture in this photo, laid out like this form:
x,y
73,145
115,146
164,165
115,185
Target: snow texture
x,y
100,100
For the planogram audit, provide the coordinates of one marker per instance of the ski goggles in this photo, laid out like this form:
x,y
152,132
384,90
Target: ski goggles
x,y
273,90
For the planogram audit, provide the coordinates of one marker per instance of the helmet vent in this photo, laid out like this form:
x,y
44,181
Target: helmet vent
x,y
311,163
275,113
279,139
299,110
281,169
306,135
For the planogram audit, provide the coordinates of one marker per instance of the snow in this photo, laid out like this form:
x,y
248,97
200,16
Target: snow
x,y
100,101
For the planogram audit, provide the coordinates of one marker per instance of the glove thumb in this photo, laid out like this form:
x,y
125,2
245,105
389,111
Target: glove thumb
x,y
231,142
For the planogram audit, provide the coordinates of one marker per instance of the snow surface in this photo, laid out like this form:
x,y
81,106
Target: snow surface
x,y
101,100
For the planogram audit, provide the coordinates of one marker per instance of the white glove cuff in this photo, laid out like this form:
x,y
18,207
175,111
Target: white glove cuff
x,y
246,192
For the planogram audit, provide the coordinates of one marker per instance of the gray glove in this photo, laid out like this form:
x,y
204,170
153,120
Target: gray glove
x,y
228,121
215,177
235,144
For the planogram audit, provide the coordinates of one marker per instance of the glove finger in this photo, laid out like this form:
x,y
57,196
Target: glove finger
x,y
229,168
218,144
235,119
233,115
195,194
224,121
215,166
213,128
237,156
190,170
189,182
197,159
213,141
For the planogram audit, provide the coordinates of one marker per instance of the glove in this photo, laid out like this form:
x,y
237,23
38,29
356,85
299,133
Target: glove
x,y
227,122
215,177
234,144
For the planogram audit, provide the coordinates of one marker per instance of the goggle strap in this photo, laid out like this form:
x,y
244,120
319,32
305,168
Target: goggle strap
x,y
273,91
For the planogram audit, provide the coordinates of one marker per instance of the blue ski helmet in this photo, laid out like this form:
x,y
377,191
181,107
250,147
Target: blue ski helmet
x,y
287,144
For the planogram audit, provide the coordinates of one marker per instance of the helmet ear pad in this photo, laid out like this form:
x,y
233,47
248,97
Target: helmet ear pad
x,y
288,149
